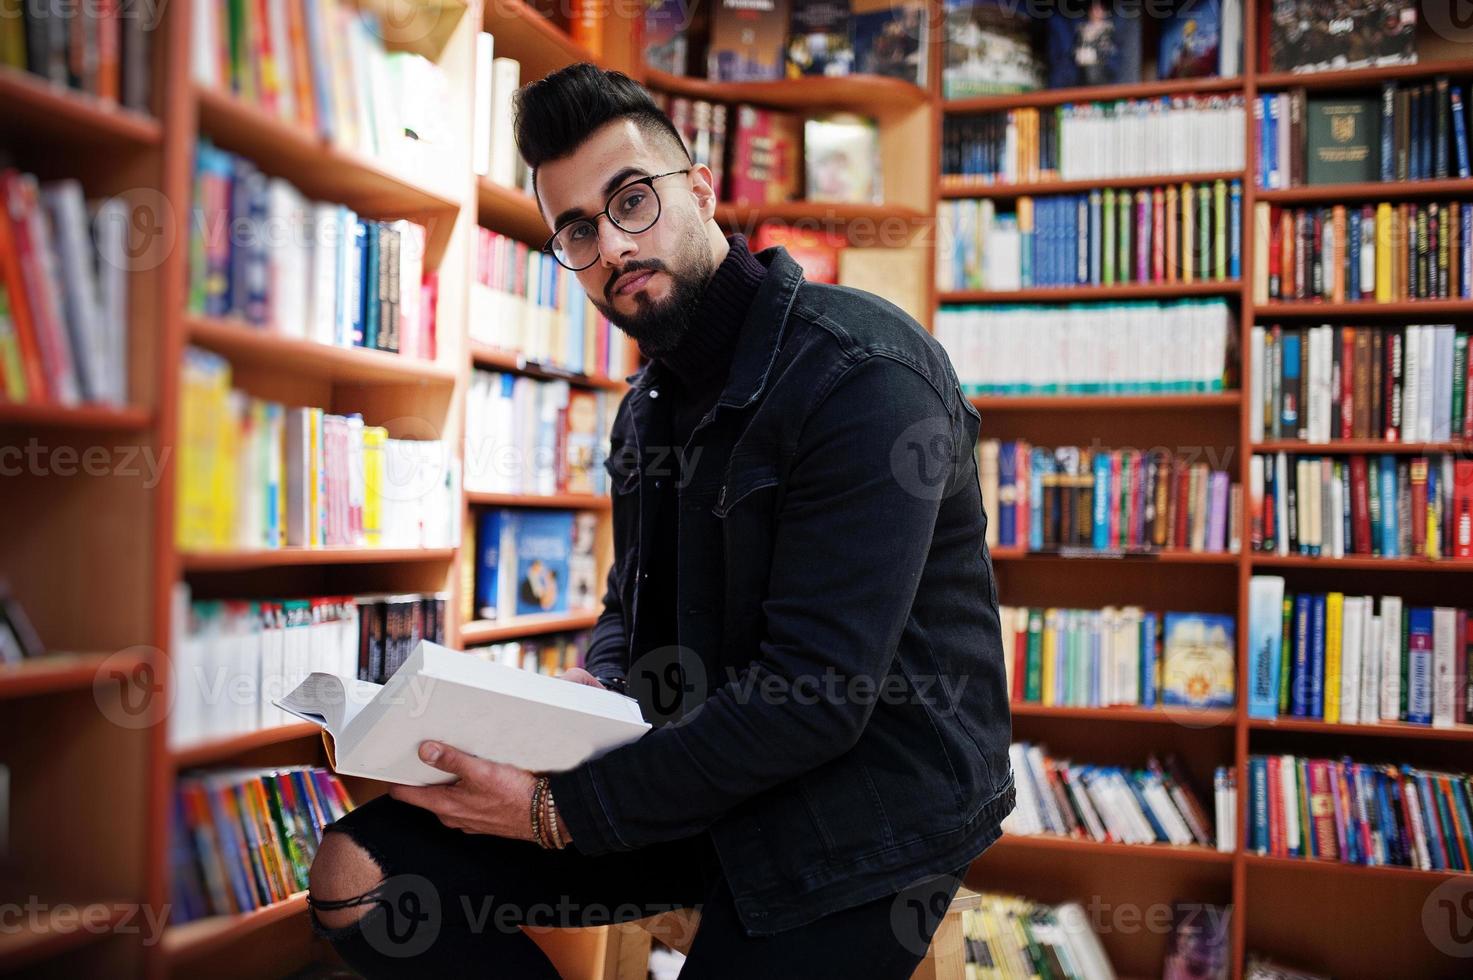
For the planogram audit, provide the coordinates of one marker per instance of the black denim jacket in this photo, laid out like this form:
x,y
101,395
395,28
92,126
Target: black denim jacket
x,y
836,714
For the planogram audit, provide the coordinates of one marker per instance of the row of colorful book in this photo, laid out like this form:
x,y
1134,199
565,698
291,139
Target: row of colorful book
x,y
1356,660
1360,253
739,42
1416,132
1094,141
104,50
1187,233
1384,506
1134,348
233,658
324,65
703,128
259,474
262,253
243,839
1014,938
493,141
996,48
1105,804
1072,498
1400,384
64,264
539,654
1360,813
528,436
522,300
534,562
1100,658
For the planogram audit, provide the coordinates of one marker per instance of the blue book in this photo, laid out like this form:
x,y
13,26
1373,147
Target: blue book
x,y
1258,832
1299,681
1198,659
1289,417
1235,230
372,306
1100,538
357,287
1148,660
1414,139
1317,659
1388,131
543,541
1007,493
1464,812
1390,535
1134,781
1466,280
1460,132
1265,642
1041,464
1419,665
1435,851
1352,284
489,531
1271,131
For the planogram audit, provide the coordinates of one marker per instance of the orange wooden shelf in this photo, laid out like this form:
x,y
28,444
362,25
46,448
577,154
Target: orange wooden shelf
x,y
510,212
204,936
873,94
222,749
1104,93
959,187
750,215
1082,294
481,631
567,501
1395,190
1363,563
57,672
1339,868
1130,852
1088,554
1124,713
245,344
497,359
85,416
43,112
1227,400
1359,77
1410,307
1385,729
251,558
1359,446
27,938
537,43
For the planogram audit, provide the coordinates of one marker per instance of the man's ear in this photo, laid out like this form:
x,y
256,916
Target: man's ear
x,y
703,186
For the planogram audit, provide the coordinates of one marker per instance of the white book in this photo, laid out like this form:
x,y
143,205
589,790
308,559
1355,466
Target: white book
x,y
204,28
491,711
1281,503
71,250
481,122
1256,367
1440,423
322,285
110,229
1390,658
1427,384
1351,639
1370,670
1411,380
1288,791
1080,938
1444,659
505,79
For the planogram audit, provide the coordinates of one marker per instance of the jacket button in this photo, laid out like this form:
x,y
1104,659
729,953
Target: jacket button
x,y
654,392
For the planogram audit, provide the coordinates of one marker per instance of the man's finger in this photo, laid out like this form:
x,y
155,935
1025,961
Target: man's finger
x,y
447,758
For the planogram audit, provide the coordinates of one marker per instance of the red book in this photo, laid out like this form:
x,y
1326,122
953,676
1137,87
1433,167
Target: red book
x,y
1181,534
1275,254
1347,383
20,309
20,196
1322,812
1462,517
1158,235
1360,506
1275,810
1419,505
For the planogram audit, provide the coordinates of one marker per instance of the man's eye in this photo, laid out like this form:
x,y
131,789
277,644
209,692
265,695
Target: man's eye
x,y
631,201
578,232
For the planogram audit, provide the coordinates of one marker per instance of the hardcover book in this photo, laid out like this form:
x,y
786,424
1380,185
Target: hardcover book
x,y
1096,45
891,39
1191,39
1197,663
991,49
818,39
842,154
747,40
1343,140
666,28
1318,35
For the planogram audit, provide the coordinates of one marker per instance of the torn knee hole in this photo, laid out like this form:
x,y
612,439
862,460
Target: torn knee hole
x,y
344,882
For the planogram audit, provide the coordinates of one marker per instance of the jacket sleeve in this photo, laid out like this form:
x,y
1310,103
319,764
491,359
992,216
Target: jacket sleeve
x,y
607,657
851,540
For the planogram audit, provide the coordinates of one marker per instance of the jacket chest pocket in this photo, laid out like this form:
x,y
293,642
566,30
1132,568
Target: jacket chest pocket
x,y
746,506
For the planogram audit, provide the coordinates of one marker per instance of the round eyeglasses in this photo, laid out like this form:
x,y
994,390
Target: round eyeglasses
x,y
633,208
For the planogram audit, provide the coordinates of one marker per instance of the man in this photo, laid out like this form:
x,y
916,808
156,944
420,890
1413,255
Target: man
x,y
801,599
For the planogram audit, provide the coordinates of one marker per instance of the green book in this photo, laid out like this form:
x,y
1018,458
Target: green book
x,y
1033,680
1124,266
1219,229
1204,232
1108,274
1342,140
1286,654
1460,382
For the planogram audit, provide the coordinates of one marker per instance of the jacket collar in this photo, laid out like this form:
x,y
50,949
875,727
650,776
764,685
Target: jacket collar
x,y
761,333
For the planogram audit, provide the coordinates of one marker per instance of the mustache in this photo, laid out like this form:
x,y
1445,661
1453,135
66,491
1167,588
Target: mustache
x,y
640,265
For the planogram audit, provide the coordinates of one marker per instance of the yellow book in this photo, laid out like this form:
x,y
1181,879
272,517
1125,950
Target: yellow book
x,y
374,438
1050,652
1334,620
315,501
1173,260
1383,252
1188,234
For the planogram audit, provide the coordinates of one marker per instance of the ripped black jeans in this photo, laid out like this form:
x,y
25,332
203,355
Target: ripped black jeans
x,y
451,903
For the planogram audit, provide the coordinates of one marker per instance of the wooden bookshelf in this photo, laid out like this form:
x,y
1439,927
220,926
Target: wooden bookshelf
x,y
1396,190
233,746
1089,294
95,417
1063,96
959,187
244,344
870,94
510,211
497,359
249,558
1225,401
42,111
63,672
480,632
563,501
1458,733
1416,309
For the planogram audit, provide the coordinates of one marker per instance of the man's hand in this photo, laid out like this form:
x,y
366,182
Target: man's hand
x,y
580,676
489,798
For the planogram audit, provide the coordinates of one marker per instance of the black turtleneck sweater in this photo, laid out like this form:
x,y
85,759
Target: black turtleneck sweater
x,y
695,373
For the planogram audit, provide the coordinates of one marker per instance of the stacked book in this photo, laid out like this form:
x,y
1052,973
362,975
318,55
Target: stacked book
x,y
528,436
1092,499
102,49
1345,253
522,300
1133,348
1358,813
261,252
1183,233
233,658
1105,804
1400,384
63,293
1383,506
534,562
539,654
259,474
1096,658
1015,938
1408,132
324,66
1349,659
1094,141
244,839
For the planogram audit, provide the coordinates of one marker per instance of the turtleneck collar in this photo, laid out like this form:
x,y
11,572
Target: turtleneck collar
x,y
702,359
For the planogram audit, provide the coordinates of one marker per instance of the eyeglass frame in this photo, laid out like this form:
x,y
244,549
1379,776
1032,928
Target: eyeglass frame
x,y
593,218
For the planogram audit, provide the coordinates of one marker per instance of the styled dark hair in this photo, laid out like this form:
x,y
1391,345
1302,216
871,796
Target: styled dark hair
x,y
554,115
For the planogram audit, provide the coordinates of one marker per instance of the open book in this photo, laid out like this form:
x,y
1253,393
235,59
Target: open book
x,y
489,710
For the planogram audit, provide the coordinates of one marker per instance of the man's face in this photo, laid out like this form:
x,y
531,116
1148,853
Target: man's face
x,y
649,282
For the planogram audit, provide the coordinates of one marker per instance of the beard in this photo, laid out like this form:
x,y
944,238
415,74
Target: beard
x,y
658,326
